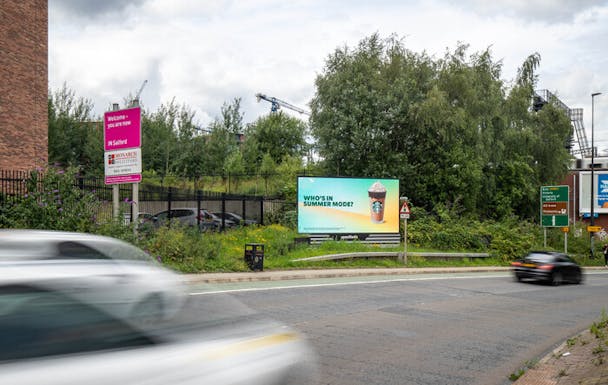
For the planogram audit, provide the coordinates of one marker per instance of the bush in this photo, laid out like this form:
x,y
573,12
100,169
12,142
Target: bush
x,y
53,202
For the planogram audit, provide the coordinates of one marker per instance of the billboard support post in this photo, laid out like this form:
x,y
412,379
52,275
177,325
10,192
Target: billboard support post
x,y
115,187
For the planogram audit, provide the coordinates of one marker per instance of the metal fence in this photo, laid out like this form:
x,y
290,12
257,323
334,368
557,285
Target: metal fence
x,y
152,199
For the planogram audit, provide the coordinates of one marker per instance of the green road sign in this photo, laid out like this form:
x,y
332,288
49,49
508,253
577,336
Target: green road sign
x,y
554,206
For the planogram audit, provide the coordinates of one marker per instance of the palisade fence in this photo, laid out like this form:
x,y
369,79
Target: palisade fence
x,y
152,199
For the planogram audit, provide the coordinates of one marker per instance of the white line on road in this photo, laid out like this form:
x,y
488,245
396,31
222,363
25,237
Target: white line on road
x,y
305,285
309,285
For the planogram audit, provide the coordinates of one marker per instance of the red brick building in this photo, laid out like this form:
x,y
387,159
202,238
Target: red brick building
x,y
23,84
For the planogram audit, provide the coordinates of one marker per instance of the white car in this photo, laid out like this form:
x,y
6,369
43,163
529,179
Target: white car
x,y
56,329
102,271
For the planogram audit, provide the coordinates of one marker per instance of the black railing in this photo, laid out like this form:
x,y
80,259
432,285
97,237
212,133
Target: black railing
x,y
14,186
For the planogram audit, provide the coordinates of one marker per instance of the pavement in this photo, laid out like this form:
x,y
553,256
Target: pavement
x,y
579,360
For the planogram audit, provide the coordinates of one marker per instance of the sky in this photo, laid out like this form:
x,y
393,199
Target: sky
x,y
204,53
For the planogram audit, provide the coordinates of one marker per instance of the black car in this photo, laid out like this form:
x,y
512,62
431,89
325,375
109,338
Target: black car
x,y
552,267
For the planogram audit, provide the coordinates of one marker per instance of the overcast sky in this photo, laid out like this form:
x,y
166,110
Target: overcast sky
x,y
207,52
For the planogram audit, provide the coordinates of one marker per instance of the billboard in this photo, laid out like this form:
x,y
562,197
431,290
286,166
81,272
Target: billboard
x,y
348,205
600,193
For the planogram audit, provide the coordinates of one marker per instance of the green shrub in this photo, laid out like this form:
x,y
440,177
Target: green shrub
x,y
53,202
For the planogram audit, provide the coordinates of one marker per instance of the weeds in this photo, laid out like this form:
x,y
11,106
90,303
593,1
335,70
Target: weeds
x,y
515,376
531,364
599,349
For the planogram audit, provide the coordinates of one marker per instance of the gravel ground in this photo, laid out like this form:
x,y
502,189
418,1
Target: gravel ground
x,y
581,360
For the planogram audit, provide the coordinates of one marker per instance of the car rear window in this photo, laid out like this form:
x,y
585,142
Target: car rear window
x,y
76,250
540,257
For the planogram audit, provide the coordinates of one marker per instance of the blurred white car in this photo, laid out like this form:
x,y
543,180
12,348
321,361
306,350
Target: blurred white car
x,y
102,271
54,334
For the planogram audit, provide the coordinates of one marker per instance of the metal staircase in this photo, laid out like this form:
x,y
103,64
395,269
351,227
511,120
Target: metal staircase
x,y
542,97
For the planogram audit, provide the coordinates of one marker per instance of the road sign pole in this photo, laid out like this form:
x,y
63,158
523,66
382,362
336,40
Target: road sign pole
x,y
405,241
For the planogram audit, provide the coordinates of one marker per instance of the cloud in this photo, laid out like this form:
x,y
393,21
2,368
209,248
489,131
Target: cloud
x,y
205,53
90,9
542,11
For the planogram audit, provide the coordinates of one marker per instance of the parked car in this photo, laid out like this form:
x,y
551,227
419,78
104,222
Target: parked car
x,y
236,218
218,219
56,330
547,266
188,217
116,276
145,218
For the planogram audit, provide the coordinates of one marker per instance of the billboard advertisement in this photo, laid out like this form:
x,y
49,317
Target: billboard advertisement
x,y
348,205
600,193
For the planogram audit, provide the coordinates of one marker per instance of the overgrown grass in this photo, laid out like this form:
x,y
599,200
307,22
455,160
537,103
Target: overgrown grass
x,y
187,250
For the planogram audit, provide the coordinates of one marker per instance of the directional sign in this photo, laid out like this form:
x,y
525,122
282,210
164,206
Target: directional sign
x,y
554,206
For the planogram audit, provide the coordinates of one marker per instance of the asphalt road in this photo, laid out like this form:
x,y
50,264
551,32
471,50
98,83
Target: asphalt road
x,y
428,329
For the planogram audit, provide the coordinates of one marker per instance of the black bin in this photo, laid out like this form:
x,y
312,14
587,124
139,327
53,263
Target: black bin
x,y
254,256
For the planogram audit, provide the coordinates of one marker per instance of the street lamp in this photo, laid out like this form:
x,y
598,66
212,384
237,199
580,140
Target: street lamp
x,y
593,95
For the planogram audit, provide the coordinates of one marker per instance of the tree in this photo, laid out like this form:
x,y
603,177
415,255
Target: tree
x,y
223,139
446,128
159,139
277,135
73,133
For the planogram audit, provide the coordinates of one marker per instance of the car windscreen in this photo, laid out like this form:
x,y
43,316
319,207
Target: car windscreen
x,y
120,250
101,249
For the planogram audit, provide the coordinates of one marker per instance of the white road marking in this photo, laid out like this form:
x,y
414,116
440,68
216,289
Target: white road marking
x,y
305,285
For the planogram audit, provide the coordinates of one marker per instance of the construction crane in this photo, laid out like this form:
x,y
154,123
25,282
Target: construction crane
x,y
276,104
135,101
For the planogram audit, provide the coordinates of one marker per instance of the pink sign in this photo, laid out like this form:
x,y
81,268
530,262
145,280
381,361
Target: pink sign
x,y
119,179
122,129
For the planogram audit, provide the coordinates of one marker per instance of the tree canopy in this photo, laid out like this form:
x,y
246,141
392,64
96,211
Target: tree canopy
x,y
450,129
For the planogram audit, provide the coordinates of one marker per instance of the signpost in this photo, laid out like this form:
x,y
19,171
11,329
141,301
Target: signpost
x,y
404,214
554,210
122,145
122,156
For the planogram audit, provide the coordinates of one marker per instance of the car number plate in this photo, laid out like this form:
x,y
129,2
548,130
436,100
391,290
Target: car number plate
x,y
528,265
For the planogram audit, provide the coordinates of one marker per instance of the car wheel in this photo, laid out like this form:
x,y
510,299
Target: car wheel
x,y
578,279
517,278
556,278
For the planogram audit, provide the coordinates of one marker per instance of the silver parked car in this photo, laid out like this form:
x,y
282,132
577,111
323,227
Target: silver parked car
x,y
236,218
187,216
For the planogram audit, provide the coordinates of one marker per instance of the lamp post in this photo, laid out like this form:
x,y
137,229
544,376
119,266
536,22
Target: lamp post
x,y
593,95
